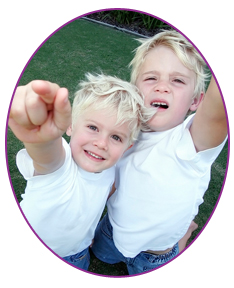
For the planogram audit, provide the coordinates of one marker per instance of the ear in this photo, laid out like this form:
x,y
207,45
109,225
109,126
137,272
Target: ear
x,y
69,131
196,102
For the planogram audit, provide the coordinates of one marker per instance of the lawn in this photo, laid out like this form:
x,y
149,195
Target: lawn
x,y
81,47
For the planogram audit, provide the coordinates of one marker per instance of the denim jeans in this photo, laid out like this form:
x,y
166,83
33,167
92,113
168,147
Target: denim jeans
x,y
105,250
80,260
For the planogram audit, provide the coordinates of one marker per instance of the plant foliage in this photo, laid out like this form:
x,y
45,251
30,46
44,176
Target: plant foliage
x,y
130,17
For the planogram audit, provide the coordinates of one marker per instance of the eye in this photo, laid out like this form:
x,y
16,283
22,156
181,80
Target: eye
x,y
117,138
179,81
150,78
92,127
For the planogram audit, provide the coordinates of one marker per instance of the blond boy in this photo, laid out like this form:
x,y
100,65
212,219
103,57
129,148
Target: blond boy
x,y
68,184
161,180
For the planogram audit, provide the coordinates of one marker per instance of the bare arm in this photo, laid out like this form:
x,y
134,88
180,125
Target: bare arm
x,y
40,114
209,127
47,157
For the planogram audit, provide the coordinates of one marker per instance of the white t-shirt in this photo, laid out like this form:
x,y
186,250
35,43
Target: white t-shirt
x,y
64,207
160,183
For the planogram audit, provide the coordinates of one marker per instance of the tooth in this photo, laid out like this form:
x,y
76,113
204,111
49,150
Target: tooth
x,y
159,103
90,153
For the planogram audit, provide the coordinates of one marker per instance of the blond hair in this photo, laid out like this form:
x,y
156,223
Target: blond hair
x,y
106,92
183,49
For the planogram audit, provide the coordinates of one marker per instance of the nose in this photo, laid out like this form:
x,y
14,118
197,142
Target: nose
x,y
162,86
101,142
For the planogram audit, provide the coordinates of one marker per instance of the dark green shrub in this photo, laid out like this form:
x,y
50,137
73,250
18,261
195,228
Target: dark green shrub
x,y
130,17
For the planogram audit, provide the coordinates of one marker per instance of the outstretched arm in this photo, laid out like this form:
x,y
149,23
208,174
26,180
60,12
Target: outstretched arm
x,y
209,127
40,114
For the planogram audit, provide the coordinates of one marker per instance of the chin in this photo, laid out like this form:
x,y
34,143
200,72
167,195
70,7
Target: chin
x,y
92,170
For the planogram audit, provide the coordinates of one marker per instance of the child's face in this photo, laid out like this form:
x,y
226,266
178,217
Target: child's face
x,y
97,142
166,82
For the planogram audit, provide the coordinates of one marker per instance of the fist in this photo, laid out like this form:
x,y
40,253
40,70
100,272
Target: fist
x,y
40,112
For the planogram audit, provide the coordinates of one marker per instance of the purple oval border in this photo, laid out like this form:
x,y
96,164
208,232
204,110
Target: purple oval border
x,y
228,154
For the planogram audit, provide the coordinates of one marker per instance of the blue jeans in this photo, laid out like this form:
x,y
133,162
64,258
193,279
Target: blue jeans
x,y
105,250
80,260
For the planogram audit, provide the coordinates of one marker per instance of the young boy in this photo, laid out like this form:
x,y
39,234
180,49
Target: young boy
x,y
67,185
161,180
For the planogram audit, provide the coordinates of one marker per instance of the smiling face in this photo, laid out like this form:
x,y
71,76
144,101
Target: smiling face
x,y
168,86
97,143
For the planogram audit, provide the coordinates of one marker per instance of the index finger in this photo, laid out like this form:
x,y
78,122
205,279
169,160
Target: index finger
x,y
45,89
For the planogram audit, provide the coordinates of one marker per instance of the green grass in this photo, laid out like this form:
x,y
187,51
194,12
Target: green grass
x,y
82,47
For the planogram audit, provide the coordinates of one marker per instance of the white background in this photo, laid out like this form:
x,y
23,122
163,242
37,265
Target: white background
x,y
25,262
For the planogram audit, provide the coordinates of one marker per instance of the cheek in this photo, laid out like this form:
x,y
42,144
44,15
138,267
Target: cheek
x,y
118,153
146,98
76,143
73,147
180,114
143,89
81,139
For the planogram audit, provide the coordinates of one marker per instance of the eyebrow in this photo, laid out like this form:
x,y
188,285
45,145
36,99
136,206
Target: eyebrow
x,y
180,74
176,73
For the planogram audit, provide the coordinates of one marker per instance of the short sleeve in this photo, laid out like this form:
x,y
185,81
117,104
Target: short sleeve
x,y
25,165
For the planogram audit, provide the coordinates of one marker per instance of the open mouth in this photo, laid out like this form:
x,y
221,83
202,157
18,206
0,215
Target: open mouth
x,y
162,105
95,156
